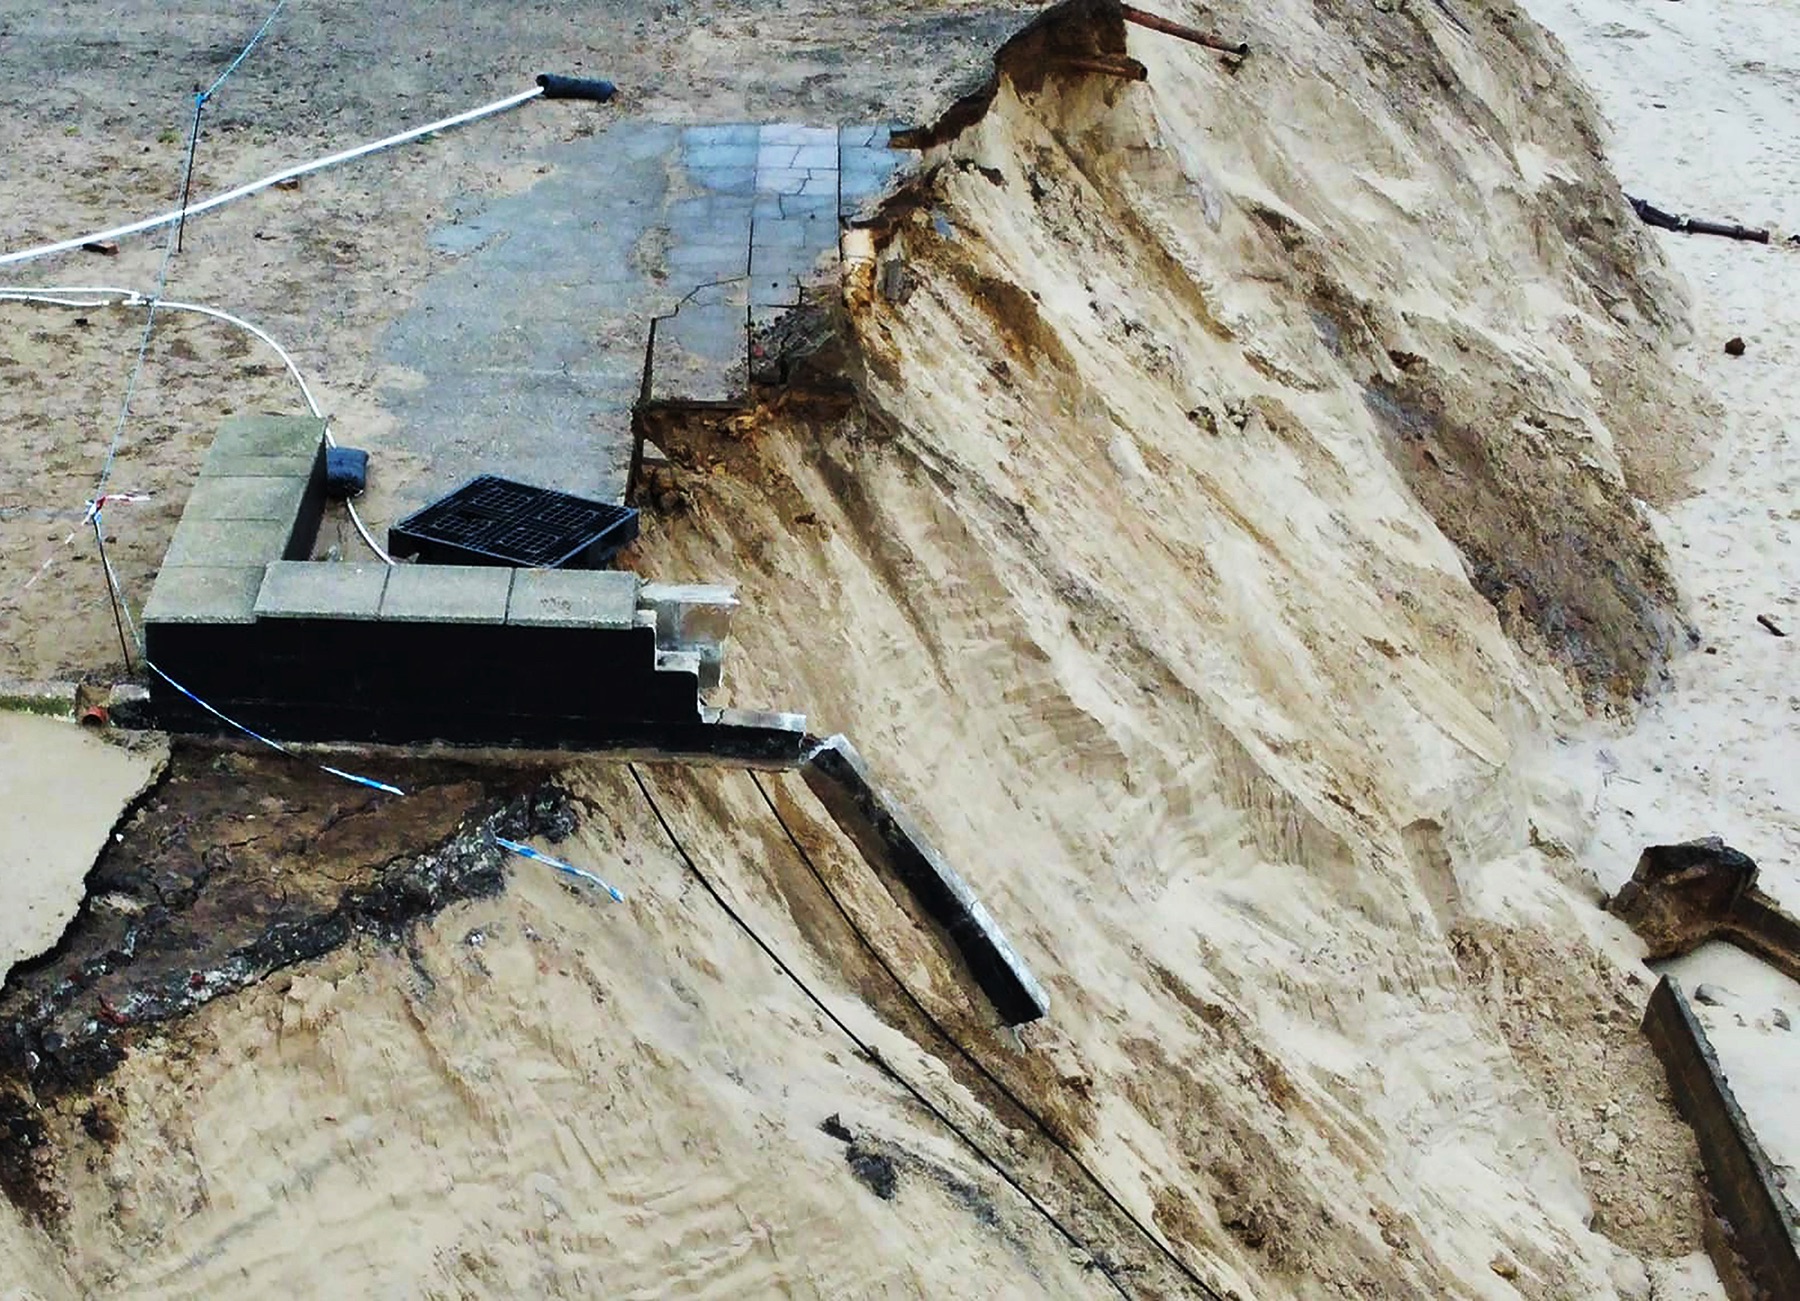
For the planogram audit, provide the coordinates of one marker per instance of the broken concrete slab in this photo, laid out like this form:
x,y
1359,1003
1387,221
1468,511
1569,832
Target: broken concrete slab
x,y
446,594
700,355
62,790
309,589
890,842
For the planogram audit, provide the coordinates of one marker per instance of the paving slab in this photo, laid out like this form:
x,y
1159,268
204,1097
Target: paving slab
x,y
527,347
236,465
245,497
270,435
315,589
573,598
235,543
446,594
204,594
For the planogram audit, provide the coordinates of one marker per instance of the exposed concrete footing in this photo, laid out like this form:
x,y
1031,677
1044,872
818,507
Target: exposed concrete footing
x,y
887,839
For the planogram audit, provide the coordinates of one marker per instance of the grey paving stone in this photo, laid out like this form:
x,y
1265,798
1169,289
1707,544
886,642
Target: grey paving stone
x,y
781,180
269,435
225,464
817,158
701,353
313,589
573,598
806,207
770,157
729,134
781,263
792,133
821,184
446,594
245,497
779,233
227,542
774,291
204,594
711,261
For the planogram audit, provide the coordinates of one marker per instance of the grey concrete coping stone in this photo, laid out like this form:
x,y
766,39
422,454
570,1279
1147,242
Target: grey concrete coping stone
x,y
316,589
265,435
447,594
243,465
228,542
245,497
573,598
204,594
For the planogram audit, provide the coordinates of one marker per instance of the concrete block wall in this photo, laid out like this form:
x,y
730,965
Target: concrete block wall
x,y
888,841
305,650
1742,1181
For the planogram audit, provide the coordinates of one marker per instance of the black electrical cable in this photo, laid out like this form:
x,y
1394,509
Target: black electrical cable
x,y
981,1068
868,1050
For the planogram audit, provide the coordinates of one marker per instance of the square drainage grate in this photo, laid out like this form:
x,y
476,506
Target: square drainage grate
x,y
495,521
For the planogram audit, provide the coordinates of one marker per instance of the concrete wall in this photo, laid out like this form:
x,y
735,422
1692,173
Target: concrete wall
x,y
1742,1181
889,841
304,650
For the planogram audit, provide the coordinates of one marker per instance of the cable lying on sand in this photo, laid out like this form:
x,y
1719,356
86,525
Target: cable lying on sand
x,y
548,87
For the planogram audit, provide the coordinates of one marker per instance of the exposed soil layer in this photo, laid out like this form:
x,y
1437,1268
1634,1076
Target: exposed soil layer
x,y
238,865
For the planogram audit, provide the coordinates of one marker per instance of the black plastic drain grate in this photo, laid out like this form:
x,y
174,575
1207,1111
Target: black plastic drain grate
x,y
495,521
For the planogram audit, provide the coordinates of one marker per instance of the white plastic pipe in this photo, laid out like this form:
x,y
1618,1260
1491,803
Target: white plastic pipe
x,y
287,174
61,296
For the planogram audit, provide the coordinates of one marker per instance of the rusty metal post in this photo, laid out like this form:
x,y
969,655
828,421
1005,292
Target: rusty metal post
x,y
1128,69
1169,27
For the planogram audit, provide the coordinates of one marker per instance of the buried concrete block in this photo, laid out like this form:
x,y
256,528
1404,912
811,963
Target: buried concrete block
x,y
52,699
888,840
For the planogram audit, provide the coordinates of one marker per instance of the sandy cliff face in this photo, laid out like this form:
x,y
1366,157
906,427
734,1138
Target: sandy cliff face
x,y
1230,473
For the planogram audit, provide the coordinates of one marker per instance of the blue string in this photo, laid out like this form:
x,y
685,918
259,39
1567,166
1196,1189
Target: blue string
x,y
526,851
243,54
370,782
